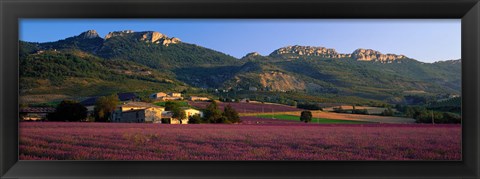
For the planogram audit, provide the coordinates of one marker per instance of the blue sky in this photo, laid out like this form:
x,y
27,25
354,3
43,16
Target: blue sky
x,y
426,40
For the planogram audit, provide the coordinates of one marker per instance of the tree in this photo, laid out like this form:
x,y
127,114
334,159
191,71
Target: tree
x,y
68,111
178,114
104,107
170,105
195,119
230,114
212,113
306,116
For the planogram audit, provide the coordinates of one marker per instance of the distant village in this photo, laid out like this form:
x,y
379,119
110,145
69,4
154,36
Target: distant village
x,y
131,109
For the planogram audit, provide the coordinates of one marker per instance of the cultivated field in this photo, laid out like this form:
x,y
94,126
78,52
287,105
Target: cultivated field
x,y
313,121
250,107
256,109
354,117
247,141
371,110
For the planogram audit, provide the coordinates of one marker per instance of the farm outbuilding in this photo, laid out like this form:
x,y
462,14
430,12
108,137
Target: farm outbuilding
x,y
158,95
138,112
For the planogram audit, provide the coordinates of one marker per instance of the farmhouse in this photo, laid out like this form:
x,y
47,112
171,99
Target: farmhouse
x,y
198,98
35,113
166,97
138,112
167,116
190,112
158,95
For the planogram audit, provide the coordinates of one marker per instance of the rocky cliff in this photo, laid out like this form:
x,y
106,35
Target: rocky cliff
x,y
372,55
309,51
359,54
146,36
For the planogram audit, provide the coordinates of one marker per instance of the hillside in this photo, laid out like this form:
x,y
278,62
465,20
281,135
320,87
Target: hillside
x,y
79,74
363,73
149,61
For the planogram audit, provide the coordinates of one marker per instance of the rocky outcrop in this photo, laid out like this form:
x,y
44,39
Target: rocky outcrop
x,y
372,55
118,33
359,54
166,41
310,51
279,81
151,36
90,34
147,36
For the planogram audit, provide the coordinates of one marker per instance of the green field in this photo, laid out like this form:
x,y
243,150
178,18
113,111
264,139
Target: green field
x,y
314,120
181,103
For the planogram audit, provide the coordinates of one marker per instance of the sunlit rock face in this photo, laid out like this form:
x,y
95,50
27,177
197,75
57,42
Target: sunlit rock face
x,y
372,55
146,36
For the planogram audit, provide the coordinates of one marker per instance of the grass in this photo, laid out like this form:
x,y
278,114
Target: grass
x,y
181,103
314,120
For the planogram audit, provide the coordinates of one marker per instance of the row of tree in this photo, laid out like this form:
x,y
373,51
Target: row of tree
x,y
424,115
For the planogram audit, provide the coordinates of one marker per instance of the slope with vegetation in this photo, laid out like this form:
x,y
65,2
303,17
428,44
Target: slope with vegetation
x,y
87,65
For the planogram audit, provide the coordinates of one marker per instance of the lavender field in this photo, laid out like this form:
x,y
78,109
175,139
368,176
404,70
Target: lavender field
x,y
248,141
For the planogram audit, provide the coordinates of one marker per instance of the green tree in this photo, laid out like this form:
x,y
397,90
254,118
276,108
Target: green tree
x,y
306,116
104,107
68,111
171,105
212,113
179,114
195,119
231,114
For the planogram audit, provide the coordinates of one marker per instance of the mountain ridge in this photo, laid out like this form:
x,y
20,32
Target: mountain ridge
x,y
306,70
361,54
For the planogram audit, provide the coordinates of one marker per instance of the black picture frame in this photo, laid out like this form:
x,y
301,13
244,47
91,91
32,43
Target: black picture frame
x,y
466,10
